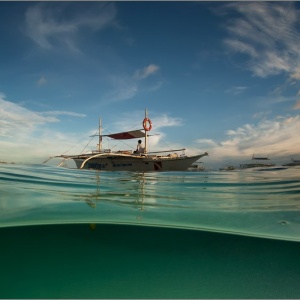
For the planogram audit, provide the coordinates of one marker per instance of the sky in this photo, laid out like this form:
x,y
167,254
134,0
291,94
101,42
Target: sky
x,y
222,77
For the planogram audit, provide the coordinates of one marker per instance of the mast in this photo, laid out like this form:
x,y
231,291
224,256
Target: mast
x,y
100,135
146,135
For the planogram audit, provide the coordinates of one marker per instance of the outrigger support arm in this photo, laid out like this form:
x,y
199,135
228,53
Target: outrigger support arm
x,y
167,150
58,156
63,161
65,157
48,159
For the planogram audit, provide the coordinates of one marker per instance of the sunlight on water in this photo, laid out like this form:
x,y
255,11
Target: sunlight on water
x,y
258,203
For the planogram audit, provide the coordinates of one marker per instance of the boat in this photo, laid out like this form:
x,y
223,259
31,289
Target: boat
x,y
127,160
258,163
293,163
276,168
196,168
228,168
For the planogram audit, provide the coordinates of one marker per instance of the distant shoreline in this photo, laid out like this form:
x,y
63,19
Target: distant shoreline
x,y
4,162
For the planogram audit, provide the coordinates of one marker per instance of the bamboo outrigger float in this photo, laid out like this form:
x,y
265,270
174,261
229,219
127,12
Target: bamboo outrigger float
x,y
136,161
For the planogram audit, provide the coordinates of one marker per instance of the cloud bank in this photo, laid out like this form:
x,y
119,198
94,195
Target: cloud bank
x,y
278,137
25,136
15,119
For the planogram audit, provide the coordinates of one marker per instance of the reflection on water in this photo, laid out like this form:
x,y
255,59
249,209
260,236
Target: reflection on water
x,y
255,203
133,196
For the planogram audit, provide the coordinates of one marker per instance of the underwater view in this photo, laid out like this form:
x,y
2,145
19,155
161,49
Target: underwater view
x,y
69,233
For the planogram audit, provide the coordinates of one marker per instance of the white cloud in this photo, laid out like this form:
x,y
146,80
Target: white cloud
x,y
24,136
41,81
278,137
239,46
237,90
163,120
15,119
268,34
261,114
145,72
122,88
45,26
297,105
66,113
206,143
296,74
126,87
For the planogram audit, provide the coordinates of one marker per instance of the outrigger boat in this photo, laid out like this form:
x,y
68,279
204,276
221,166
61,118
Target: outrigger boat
x,y
127,160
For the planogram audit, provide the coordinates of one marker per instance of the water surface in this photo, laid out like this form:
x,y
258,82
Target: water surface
x,y
258,203
86,234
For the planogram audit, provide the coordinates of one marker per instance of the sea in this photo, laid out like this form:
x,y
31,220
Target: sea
x,y
68,233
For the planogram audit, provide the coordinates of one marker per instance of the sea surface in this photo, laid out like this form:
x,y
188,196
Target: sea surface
x,y
68,233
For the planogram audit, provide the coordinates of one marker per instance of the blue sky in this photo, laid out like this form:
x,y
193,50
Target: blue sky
x,y
221,77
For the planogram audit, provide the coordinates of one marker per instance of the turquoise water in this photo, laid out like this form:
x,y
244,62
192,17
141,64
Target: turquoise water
x,y
87,234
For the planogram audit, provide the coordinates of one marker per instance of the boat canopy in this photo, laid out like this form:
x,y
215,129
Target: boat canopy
x,y
126,135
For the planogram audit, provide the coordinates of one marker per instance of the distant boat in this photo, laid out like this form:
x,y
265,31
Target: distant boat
x,y
228,168
258,162
293,163
128,160
278,168
196,168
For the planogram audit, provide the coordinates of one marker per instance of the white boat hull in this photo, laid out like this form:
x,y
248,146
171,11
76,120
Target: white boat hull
x,y
137,164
